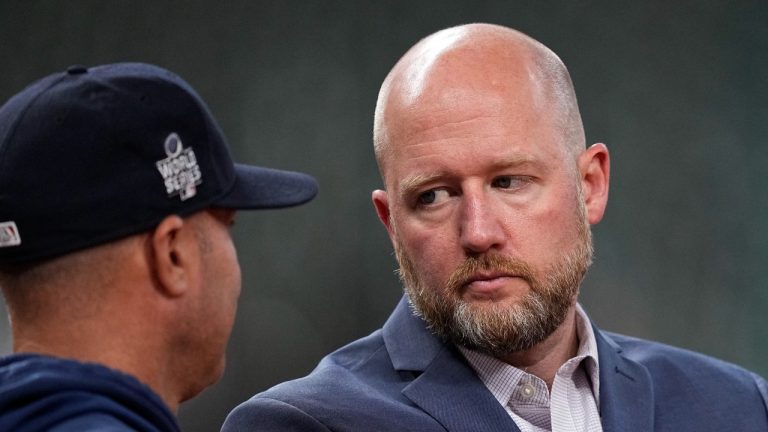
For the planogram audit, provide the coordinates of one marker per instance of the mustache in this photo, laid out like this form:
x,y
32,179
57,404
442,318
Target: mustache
x,y
474,267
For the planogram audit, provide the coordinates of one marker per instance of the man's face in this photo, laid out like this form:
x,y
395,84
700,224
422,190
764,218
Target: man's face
x,y
220,276
487,218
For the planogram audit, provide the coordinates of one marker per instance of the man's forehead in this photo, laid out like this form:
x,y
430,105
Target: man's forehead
x,y
460,117
419,64
459,85
456,77
449,73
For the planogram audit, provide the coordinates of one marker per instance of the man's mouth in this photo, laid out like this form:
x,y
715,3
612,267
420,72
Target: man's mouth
x,y
487,282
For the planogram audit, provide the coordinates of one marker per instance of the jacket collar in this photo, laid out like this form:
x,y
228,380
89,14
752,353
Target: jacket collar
x,y
410,344
626,390
445,387
448,389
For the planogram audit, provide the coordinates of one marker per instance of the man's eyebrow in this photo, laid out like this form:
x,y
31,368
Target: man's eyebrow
x,y
514,162
411,184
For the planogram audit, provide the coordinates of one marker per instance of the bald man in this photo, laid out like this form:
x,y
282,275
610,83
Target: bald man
x,y
490,194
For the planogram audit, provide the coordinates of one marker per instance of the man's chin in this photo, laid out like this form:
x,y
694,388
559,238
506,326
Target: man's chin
x,y
497,301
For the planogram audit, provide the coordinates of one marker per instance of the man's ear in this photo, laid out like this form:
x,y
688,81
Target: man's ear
x,y
381,203
595,170
170,255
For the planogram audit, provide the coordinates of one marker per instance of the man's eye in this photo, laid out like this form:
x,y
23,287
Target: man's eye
x,y
427,197
502,182
509,182
431,196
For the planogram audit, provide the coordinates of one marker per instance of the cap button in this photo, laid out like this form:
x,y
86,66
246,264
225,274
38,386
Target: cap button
x,y
77,70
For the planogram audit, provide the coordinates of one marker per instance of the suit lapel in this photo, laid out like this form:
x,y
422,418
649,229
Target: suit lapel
x,y
446,387
453,395
626,391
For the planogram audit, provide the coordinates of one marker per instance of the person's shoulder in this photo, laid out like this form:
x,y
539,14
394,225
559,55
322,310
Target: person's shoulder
x,y
53,394
267,414
652,354
674,365
346,371
101,422
350,386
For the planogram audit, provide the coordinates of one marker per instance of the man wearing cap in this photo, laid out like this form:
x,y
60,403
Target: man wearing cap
x,y
117,192
490,194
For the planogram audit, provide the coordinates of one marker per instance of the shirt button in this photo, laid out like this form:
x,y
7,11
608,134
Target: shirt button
x,y
528,390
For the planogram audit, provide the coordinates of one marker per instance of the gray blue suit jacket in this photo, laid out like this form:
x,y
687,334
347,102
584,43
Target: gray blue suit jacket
x,y
402,378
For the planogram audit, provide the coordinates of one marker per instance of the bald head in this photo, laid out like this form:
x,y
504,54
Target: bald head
x,y
475,64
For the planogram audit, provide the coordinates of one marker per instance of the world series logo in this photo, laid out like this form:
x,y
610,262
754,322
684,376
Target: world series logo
x,y
180,170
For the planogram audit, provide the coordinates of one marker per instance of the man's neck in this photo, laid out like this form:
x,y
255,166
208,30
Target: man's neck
x,y
91,345
544,359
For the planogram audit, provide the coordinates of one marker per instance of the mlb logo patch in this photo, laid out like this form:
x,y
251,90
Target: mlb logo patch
x,y
9,234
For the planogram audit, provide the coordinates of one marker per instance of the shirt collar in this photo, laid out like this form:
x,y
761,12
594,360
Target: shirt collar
x,y
501,379
588,349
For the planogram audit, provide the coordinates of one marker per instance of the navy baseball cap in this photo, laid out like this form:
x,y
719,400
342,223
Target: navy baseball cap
x,y
91,155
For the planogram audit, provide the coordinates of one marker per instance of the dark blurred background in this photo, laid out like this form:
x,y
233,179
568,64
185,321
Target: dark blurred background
x,y
677,90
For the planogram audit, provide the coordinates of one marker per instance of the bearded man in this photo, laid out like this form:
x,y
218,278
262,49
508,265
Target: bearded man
x,y
490,194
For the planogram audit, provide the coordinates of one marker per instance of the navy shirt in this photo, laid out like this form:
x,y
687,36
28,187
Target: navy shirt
x,y
41,393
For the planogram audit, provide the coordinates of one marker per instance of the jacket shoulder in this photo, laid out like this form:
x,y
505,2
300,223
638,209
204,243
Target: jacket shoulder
x,y
658,357
266,414
353,388
673,369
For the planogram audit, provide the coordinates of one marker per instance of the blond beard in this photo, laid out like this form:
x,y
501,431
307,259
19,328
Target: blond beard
x,y
496,328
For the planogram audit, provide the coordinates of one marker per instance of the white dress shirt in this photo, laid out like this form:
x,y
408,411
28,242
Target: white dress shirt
x,y
572,405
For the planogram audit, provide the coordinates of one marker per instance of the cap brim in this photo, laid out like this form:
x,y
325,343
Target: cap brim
x,y
263,188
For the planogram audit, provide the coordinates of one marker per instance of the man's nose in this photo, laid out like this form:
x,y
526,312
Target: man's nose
x,y
480,225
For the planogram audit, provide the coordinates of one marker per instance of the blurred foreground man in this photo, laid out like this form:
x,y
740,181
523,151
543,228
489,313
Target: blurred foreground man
x,y
117,192
490,194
